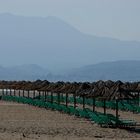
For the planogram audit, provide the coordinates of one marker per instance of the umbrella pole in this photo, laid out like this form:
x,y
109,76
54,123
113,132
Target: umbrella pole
x,y
23,92
104,107
74,100
3,92
33,94
58,94
39,94
14,92
117,115
51,97
45,96
6,92
66,99
10,92
83,101
138,99
0,93
93,104
28,93
19,92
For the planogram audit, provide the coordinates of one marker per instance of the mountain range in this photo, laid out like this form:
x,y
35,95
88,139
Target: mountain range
x,y
56,45
118,70
50,45
23,72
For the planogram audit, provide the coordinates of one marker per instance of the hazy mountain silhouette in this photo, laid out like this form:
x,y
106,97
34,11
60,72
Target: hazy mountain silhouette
x,y
119,70
23,72
52,43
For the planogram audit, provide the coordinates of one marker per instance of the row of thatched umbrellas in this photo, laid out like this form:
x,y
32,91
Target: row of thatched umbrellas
x,y
101,89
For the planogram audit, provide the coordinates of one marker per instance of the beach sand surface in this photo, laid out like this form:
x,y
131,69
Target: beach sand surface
x,y
24,122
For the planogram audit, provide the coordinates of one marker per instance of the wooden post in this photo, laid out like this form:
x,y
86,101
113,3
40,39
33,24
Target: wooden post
x,y
51,97
104,106
74,100
28,93
62,97
19,92
83,101
58,98
138,99
93,99
117,115
3,92
23,92
14,92
34,94
66,99
6,92
39,94
45,96
10,92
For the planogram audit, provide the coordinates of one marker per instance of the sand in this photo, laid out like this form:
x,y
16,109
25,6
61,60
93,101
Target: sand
x,y
24,122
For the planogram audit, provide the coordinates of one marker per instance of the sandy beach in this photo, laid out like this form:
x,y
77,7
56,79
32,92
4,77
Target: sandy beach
x,y
24,122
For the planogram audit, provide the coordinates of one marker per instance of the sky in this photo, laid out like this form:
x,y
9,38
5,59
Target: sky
x,y
109,18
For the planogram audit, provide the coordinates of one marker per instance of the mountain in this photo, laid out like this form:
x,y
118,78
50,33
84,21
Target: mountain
x,y
23,72
51,42
118,70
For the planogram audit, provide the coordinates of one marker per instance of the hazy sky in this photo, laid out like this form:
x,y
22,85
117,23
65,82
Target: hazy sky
x,y
111,18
